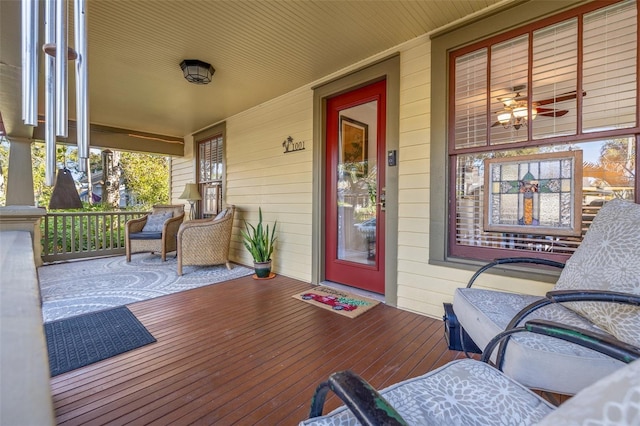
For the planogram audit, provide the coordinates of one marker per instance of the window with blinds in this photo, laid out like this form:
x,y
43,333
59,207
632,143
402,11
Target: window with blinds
x,y
609,68
555,80
470,100
210,174
549,87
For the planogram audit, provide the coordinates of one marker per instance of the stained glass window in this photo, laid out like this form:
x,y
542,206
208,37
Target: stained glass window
x,y
537,194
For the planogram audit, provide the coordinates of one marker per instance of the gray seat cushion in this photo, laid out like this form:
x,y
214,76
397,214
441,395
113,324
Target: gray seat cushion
x,y
463,392
614,400
144,235
536,361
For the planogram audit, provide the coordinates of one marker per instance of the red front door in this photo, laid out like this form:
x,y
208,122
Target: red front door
x,y
355,188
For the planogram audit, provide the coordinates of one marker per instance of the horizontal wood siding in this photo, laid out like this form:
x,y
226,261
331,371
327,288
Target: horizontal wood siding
x,y
182,172
261,175
244,352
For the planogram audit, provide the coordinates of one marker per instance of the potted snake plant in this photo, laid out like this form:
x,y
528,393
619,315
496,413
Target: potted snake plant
x,y
259,242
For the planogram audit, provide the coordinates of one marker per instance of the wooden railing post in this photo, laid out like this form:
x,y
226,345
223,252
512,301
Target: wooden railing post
x,y
76,235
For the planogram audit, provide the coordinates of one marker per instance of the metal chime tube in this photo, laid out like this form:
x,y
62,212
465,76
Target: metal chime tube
x,y
30,62
82,83
50,99
62,100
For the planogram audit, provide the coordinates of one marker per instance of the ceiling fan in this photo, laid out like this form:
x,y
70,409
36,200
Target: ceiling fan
x,y
515,112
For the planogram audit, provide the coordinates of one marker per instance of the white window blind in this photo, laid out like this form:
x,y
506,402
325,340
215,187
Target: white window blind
x,y
211,160
211,166
471,100
609,70
509,73
555,73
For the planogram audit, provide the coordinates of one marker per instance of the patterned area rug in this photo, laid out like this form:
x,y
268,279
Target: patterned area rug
x,y
339,301
74,288
82,340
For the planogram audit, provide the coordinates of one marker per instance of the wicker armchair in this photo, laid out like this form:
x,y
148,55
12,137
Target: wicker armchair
x,y
206,241
163,242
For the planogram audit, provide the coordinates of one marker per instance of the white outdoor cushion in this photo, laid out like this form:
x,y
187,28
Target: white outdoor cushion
x,y
463,392
614,400
467,392
538,362
155,222
608,259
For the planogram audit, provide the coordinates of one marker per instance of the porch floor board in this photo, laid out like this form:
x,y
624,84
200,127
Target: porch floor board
x,y
244,352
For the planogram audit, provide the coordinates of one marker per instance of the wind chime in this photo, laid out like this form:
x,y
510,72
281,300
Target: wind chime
x,y
57,54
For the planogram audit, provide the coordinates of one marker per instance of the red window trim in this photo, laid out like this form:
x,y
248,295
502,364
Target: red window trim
x,y
489,253
578,13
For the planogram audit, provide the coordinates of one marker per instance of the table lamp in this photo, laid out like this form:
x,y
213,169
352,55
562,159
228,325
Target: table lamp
x,y
192,195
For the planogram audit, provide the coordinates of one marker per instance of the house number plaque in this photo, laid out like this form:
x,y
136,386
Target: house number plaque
x,y
290,146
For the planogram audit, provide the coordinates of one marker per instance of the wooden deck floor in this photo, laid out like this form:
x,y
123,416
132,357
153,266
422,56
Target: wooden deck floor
x,y
244,352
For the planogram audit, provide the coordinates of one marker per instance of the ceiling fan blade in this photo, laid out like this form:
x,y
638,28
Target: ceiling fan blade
x,y
548,112
559,98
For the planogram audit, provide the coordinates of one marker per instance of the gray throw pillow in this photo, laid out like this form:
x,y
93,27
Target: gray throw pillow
x,y
220,215
155,222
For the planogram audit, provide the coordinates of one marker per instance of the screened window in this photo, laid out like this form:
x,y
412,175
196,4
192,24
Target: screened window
x,y
210,174
558,86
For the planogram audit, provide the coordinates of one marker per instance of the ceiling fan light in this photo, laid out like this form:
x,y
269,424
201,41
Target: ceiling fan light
x,y
507,100
534,113
196,71
520,112
504,116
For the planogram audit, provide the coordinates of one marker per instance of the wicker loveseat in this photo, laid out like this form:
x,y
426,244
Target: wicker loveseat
x,y
155,232
206,241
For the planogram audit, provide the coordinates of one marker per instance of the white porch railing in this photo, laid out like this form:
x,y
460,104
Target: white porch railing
x,y
84,234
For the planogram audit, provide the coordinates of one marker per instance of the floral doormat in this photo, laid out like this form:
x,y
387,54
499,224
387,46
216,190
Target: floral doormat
x,y
341,302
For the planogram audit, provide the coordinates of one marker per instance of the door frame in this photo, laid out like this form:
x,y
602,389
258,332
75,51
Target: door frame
x,y
389,69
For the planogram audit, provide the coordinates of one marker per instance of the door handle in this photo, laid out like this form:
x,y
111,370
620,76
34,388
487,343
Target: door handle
x,y
383,199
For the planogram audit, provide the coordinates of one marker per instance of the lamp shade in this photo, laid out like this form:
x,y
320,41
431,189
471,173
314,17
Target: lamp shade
x,y
197,72
190,192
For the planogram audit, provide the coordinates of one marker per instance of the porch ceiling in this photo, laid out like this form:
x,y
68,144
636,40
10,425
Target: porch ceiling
x,y
260,50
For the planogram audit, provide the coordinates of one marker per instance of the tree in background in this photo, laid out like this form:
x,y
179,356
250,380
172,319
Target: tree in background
x,y
146,176
111,176
64,158
615,169
4,161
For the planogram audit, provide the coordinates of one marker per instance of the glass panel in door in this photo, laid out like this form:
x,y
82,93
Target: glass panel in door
x,y
357,184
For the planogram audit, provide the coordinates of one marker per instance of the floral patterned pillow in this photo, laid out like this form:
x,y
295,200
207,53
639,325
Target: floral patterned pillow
x,y
155,222
608,259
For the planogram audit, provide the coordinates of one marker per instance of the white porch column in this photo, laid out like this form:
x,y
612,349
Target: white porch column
x,y
24,218
20,173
